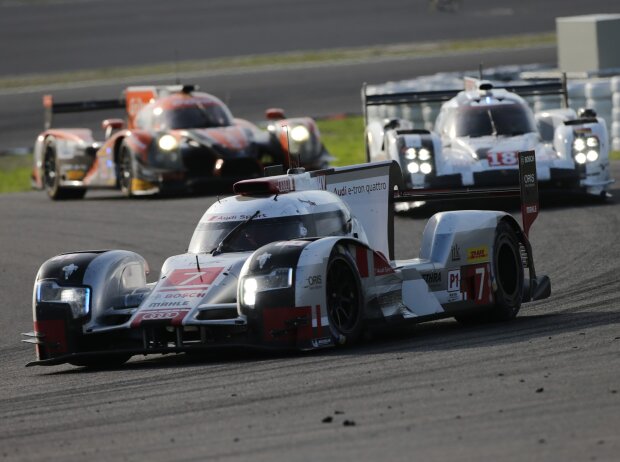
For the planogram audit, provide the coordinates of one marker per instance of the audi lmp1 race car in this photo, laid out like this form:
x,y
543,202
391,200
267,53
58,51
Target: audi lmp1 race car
x,y
175,138
303,260
478,133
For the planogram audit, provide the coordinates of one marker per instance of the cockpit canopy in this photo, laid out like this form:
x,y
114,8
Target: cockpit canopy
x,y
503,118
183,111
289,216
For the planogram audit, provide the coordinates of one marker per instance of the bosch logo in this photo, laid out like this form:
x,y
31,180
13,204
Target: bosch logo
x,y
527,159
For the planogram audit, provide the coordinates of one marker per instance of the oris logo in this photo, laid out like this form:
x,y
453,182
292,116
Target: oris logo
x,y
314,280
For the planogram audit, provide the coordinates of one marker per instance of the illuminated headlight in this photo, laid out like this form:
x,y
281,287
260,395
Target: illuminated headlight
x,y
424,154
410,153
579,144
592,155
279,278
300,134
78,298
168,143
413,167
426,168
580,158
592,142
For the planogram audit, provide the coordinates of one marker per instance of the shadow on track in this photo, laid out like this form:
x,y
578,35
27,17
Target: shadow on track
x,y
442,335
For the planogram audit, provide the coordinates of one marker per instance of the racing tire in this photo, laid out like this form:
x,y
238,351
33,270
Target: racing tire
x,y
508,271
111,361
125,170
51,179
344,298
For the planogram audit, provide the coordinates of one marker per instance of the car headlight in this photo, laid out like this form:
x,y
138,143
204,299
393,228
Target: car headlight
x,y
580,158
579,144
412,167
424,154
279,278
168,143
78,298
592,141
410,153
426,168
300,134
592,155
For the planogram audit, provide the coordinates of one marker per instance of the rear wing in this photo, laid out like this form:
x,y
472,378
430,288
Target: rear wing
x,y
547,87
370,191
132,100
50,107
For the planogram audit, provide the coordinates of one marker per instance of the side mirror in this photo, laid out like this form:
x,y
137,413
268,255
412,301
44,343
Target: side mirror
x,y
111,126
274,113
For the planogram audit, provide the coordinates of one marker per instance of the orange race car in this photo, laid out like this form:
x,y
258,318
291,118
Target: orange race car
x,y
174,138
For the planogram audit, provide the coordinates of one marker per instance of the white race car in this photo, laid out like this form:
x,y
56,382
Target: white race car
x,y
302,260
478,133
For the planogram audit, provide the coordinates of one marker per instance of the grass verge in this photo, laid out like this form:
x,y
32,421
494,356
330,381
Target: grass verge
x,y
15,173
344,138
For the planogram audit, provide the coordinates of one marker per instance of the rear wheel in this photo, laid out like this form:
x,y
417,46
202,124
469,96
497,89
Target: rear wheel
x,y
51,177
344,298
508,271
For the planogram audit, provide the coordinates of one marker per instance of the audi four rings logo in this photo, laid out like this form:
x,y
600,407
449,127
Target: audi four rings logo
x,y
160,315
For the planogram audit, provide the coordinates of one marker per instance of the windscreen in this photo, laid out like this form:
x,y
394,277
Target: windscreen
x,y
491,120
196,116
259,232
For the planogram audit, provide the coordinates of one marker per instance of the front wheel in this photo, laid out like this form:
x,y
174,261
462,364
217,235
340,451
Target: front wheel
x,y
344,298
125,170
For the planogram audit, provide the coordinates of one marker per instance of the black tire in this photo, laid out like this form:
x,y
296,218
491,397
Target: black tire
x,y
111,361
508,271
344,298
51,179
125,170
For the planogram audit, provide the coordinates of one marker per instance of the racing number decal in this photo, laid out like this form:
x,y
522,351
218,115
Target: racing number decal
x,y
499,159
191,278
476,284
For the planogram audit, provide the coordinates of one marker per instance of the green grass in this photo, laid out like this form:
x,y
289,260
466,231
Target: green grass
x,y
15,173
344,139
614,155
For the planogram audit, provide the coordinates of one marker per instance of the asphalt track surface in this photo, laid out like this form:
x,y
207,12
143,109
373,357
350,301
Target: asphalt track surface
x,y
544,387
